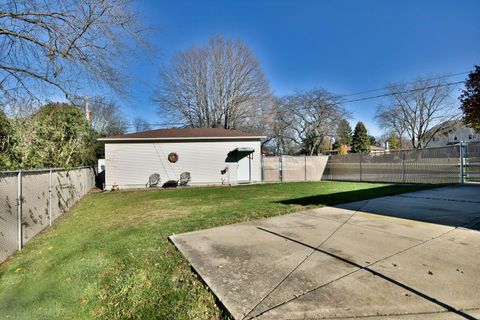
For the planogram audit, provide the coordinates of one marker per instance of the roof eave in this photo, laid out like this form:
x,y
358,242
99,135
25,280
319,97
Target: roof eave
x,y
183,138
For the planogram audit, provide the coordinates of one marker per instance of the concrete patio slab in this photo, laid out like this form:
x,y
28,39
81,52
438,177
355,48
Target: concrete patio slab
x,y
468,193
239,262
336,214
307,229
442,315
359,295
382,262
455,206
409,228
318,270
446,212
404,227
447,269
365,246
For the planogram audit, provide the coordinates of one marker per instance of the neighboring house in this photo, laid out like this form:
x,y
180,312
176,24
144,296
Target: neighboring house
x,y
376,149
450,133
373,149
210,155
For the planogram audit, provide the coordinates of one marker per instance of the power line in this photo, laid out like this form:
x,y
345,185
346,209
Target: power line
x,y
391,94
166,123
401,92
388,87
358,99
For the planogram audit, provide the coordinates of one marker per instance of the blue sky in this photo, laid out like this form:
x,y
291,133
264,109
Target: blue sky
x,y
342,46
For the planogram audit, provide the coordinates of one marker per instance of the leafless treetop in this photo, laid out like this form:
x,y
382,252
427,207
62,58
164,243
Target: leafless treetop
x,y
64,44
314,116
217,85
419,110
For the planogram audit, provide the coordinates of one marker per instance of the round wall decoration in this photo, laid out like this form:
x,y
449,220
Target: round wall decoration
x,y
173,157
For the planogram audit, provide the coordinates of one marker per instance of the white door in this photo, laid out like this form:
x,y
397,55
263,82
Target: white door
x,y
243,174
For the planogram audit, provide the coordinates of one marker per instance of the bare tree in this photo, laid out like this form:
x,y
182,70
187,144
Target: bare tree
x,y
419,110
314,116
218,85
391,120
140,124
107,118
63,45
279,131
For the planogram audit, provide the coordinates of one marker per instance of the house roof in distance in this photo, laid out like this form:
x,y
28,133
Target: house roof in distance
x,y
184,134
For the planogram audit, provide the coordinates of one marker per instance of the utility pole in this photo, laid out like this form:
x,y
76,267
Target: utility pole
x,y
88,114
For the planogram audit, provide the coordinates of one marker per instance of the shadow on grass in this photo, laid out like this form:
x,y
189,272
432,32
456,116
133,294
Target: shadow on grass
x,y
356,195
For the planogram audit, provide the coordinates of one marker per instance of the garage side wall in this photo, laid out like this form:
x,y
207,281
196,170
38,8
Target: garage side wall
x,y
129,165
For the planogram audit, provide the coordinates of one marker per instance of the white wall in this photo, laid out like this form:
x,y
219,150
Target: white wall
x,y
130,164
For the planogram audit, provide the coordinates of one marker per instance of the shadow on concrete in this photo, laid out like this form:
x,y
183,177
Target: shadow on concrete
x,y
455,205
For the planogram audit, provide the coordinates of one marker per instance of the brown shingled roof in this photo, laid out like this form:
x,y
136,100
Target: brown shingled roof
x,y
184,133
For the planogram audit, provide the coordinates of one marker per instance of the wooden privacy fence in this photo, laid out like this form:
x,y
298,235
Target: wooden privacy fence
x,y
293,168
31,200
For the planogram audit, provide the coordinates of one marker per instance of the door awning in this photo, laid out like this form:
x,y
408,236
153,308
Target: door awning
x,y
239,153
243,149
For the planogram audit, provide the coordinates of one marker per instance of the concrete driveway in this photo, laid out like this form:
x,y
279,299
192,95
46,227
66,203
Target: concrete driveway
x,y
411,256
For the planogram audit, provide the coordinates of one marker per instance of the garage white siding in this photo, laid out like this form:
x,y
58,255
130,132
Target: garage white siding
x,y
129,164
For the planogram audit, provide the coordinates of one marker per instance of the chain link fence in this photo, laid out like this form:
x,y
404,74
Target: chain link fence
x,y
31,200
293,168
430,166
472,162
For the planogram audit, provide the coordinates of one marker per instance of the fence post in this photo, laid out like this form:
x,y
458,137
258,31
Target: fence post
x,y
70,188
50,197
280,168
78,184
262,167
360,166
305,167
462,163
403,167
330,157
20,210
93,182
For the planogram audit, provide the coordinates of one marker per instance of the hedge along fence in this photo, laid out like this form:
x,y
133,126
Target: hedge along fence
x,y
31,200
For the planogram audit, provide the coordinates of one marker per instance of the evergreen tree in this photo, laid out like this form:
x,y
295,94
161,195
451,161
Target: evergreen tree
x,y
7,139
360,140
63,137
394,142
344,134
55,135
470,99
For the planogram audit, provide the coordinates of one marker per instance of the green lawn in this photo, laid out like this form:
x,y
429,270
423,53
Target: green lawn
x,y
109,257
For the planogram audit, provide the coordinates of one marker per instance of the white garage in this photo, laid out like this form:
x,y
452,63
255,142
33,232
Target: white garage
x,y
209,155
